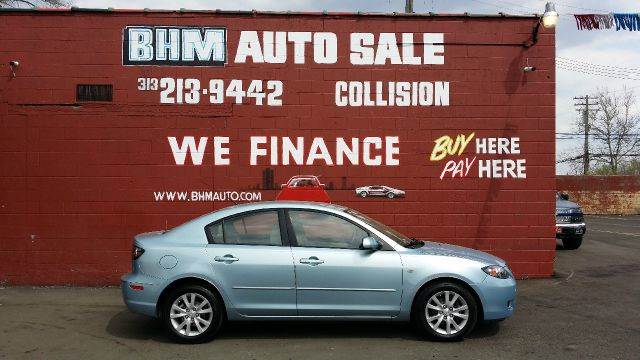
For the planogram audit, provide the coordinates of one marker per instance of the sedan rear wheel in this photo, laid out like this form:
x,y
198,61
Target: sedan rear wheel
x,y
445,311
193,314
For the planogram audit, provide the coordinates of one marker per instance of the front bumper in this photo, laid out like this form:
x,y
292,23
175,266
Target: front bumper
x,y
498,297
570,229
142,301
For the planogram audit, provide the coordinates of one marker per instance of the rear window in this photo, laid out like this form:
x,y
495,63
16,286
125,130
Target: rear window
x,y
257,228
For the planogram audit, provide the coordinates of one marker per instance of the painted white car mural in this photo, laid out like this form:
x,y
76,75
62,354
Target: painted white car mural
x,y
379,190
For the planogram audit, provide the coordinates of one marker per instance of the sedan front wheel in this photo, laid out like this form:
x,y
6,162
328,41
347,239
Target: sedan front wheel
x,y
445,311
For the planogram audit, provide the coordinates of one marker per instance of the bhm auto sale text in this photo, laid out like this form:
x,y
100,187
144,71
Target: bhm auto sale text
x,y
203,46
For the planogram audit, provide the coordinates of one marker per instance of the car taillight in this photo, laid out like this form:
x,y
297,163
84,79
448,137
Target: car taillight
x,y
136,287
136,252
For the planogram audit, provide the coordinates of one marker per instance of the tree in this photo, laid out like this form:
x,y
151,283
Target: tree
x,y
32,3
615,128
614,135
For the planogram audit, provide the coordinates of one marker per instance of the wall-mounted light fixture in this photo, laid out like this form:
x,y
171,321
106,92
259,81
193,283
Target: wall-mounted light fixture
x,y
528,68
550,16
549,20
14,65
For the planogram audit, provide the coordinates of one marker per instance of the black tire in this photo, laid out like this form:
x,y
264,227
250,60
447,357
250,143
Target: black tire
x,y
363,194
391,195
419,316
572,242
217,319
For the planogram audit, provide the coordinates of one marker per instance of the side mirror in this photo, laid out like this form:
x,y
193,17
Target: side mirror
x,y
370,243
564,196
282,186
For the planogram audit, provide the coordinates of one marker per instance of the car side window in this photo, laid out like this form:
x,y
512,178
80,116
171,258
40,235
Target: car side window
x,y
214,233
318,229
257,228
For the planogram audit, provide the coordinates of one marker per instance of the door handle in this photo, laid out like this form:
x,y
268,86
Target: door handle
x,y
226,259
313,261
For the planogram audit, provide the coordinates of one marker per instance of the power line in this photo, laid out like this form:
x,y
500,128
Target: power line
x,y
592,71
621,68
596,72
598,155
583,8
595,135
529,8
597,69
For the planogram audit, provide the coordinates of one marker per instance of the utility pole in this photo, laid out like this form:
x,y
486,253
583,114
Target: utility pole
x,y
585,102
408,6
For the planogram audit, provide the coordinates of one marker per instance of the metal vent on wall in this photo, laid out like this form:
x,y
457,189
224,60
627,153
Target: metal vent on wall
x,y
94,92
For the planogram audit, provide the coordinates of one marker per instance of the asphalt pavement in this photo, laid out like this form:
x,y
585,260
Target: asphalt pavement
x,y
589,309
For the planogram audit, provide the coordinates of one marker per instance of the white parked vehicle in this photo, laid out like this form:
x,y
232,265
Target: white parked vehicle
x,y
379,190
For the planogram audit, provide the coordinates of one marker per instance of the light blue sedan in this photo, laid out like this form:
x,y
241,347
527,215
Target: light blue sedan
x,y
309,261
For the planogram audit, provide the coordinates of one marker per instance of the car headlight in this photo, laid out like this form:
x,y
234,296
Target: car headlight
x,y
496,271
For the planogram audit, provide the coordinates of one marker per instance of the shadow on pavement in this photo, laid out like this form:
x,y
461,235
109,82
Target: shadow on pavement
x,y
128,325
138,327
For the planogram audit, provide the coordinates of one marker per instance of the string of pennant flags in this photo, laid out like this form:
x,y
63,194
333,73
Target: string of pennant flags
x,y
621,21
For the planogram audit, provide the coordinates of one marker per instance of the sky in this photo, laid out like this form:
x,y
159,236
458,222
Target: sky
x,y
608,48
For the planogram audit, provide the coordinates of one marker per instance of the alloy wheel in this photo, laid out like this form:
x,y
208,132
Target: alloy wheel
x,y
447,312
191,314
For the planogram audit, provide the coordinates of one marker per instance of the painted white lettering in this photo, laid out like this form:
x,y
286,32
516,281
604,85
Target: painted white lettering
x,y
299,40
188,146
220,152
433,48
211,47
140,48
361,53
256,150
325,46
249,46
319,151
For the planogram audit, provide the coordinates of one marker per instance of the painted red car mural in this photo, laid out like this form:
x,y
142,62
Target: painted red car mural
x,y
304,188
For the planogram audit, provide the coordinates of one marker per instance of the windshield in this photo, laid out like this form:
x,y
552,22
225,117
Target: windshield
x,y
394,235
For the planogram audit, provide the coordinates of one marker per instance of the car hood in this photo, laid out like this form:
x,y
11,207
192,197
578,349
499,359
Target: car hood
x,y
440,249
564,204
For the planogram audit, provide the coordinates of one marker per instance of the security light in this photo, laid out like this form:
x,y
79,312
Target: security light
x,y
548,20
550,16
14,65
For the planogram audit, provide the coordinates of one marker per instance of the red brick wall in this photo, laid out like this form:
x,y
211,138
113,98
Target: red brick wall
x,y
77,180
603,194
